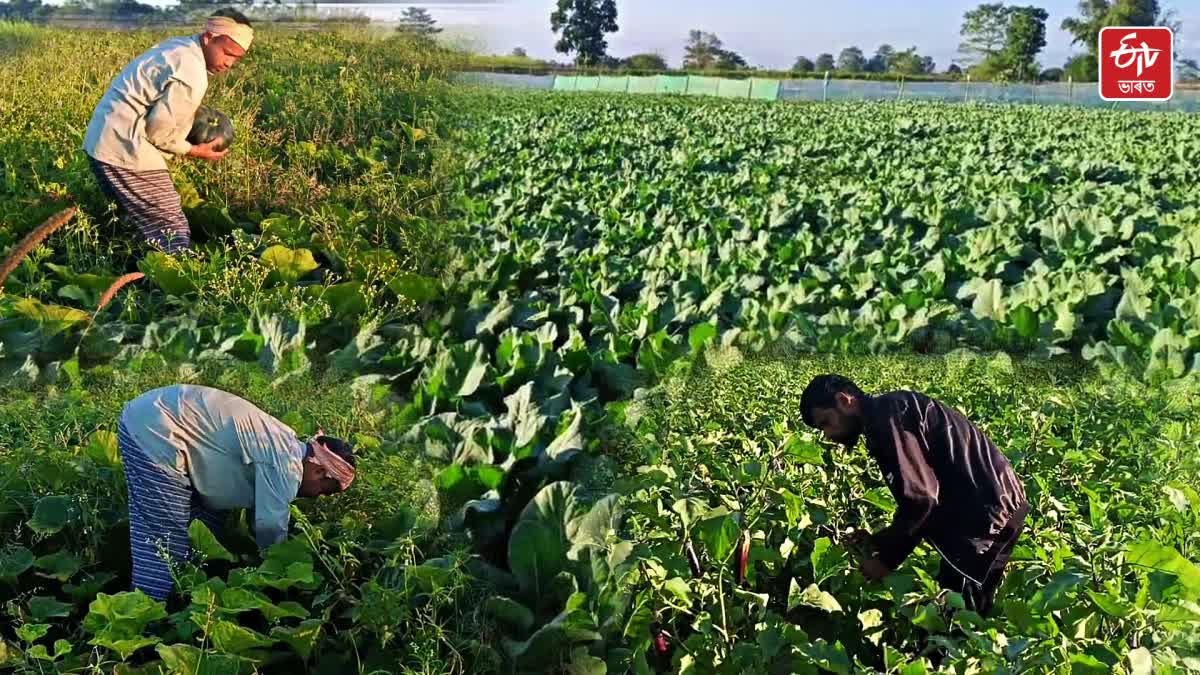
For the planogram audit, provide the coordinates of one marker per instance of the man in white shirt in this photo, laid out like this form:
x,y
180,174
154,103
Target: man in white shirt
x,y
191,451
145,117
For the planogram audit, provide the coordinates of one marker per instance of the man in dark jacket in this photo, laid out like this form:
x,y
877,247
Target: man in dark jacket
x,y
953,487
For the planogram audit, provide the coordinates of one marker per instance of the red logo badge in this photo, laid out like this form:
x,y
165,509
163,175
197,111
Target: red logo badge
x,y
1136,63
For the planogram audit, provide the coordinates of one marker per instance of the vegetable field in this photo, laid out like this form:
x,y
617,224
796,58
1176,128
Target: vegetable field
x,y
536,343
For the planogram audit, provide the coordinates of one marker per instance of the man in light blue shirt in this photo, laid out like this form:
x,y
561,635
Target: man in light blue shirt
x,y
190,451
145,117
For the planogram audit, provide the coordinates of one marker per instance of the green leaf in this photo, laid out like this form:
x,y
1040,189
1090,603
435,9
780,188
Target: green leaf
x,y
700,335
86,590
1155,556
229,637
594,526
514,614
881,498
719,534
570,439
927,617
183,659
804,452
205,542
118,620
459,371
1056,594
419,289
552,640
536,553
1025,320
168,273
42,608
32,632
288,264
300,638
51,319
51,514
826,559
811,597
679,588
102,449
61,648
125,648
14,561
1111,605
871,618
346,299
583,663
1083,664
831,658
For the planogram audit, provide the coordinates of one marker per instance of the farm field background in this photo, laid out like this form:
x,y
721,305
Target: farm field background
x,y
527,336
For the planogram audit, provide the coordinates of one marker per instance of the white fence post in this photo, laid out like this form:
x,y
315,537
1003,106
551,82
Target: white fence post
x,y
825,88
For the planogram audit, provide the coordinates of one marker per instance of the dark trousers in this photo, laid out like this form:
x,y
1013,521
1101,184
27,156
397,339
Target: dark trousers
x,y
979,597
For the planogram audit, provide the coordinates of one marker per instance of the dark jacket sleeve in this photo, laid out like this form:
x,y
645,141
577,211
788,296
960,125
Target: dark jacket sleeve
x,y
913,484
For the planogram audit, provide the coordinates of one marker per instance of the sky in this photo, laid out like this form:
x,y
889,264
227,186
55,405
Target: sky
x,y
771,35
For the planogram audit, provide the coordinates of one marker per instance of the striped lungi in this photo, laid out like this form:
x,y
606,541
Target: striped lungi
x,y
162,504
149,202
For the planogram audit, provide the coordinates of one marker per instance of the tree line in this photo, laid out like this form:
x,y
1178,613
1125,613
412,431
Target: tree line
x,y
414,20
999,42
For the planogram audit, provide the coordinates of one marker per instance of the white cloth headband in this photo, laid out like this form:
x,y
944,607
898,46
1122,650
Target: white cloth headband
x,y
338,468
238,32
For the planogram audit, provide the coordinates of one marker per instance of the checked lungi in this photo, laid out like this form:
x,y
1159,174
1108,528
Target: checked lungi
x,y
148,201
162,505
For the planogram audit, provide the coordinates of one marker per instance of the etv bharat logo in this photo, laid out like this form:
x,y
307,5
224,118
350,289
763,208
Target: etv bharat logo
x,y
1136,63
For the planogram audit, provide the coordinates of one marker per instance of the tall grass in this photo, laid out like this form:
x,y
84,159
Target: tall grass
x,y
325,133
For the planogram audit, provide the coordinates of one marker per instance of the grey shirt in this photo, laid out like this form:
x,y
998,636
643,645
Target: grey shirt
x,y
146,114
234,454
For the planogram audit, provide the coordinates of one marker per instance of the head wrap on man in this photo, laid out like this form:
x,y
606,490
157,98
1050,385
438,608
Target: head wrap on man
x,y
335,457
238,32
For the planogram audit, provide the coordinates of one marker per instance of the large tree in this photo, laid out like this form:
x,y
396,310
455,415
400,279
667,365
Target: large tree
x,y
1097,14
705,51
583,25
731,60
1003,41
851,60
984,33
908,62
645,62
803,65
825,62
882,61
416,20
1026,38
702,50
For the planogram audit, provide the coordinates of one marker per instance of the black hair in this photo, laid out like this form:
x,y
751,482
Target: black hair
x,y
339,447
821,393
231,13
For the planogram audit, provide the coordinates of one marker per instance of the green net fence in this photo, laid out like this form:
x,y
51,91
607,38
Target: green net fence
x,y
703,86
613,84
733,88
643,85
672,84
764,90
1048,93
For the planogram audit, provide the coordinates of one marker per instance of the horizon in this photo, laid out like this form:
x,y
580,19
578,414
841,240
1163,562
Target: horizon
x,y
500,26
